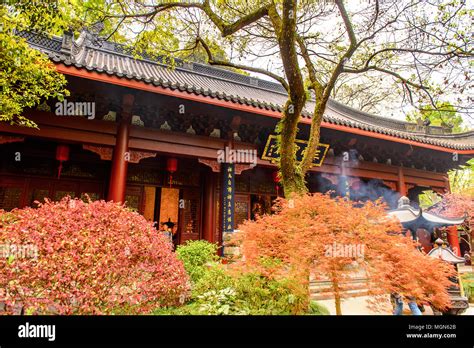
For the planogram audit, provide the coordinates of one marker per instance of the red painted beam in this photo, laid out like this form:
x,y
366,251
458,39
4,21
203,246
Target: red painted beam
x,y
140,85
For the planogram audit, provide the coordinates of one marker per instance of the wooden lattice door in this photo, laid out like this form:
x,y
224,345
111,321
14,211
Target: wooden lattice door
x,y
189,215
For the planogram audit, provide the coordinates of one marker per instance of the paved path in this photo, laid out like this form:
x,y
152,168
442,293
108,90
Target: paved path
x,y
353,306
358,306
470,310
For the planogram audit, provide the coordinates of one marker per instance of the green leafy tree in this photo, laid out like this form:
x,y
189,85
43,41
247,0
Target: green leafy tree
x,y
443,114
462,179
27,76
446,115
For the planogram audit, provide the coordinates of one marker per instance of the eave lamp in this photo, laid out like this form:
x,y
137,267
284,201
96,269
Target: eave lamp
x,y
171,167
62,154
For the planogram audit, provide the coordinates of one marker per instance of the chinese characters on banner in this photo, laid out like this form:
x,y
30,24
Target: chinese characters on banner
x,y
228,204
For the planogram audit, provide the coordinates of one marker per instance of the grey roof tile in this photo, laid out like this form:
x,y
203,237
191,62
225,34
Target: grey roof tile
x,y
218,83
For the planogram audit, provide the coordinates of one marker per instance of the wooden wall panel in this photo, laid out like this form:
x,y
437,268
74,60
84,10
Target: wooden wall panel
x,y
149,202
169,205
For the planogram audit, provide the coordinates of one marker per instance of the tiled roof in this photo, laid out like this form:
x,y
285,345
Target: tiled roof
x,y
201,79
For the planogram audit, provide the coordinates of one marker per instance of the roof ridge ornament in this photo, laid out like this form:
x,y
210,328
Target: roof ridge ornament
x,y
441,251
403,201
89,37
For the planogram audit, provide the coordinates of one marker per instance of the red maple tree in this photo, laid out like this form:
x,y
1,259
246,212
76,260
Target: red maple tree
x,y
317,235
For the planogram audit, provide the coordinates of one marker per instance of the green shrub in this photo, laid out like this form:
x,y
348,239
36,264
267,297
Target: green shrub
x,y
190,308
468,285
260,295
221,302
213,278
7,218
197,255
217,292
317,309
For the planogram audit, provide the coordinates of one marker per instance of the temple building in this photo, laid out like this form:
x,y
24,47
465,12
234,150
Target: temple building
x,y
194,145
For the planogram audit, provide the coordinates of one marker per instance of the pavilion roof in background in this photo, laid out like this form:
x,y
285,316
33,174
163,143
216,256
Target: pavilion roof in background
x,y
201,79
414,218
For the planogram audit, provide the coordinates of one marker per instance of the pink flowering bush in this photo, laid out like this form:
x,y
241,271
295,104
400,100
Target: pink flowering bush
x,y
89,258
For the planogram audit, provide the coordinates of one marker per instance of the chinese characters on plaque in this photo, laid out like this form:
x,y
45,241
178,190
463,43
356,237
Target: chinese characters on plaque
x,y
271,150
228,206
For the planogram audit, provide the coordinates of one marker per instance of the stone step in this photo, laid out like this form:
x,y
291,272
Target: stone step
x,y
346,294
322,290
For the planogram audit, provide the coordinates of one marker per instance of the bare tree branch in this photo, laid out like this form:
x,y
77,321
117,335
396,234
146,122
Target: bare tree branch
x,y
213,61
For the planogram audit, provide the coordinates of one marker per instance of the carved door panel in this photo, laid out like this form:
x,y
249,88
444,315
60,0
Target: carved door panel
x,y
38,190
79,189
95,191
134,198
12,193
242,209
189,215
63,188
21,192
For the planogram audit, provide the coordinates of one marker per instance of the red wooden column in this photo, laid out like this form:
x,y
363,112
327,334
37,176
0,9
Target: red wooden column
x,y
453,239
402,187
209,205
118,174
452,236
447,185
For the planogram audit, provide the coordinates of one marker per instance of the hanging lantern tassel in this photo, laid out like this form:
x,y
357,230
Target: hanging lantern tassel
x,y
171,167
62,154
276,180
60,168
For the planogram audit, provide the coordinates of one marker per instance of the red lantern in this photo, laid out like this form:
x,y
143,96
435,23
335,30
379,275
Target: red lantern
x,y
276,180
171,167
62,154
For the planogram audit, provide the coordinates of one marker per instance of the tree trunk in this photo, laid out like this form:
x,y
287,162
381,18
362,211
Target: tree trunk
x,y
292,179
315,131
293,174
337,300
337,296
285,28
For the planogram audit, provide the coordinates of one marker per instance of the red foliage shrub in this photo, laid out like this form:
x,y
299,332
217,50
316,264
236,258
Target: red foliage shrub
x,y
456,205
92,258
306,233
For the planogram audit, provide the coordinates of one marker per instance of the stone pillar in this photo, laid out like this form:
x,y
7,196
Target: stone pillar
x,y
118,173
